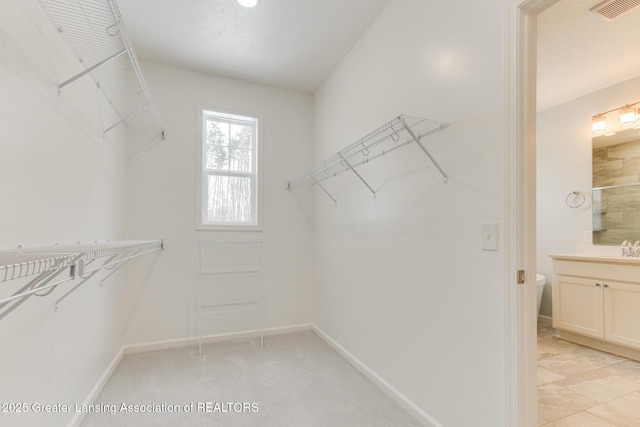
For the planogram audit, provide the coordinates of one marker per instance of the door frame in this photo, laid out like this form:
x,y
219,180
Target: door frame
x,y
521,407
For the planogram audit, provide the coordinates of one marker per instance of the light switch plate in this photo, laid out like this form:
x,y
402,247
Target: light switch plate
x,y
489,236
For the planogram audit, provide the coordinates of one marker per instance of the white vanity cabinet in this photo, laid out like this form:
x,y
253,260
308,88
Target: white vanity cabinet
x,y
596,302
578,305
622,313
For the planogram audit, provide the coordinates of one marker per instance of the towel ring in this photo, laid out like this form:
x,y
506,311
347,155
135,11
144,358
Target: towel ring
x,y
575,199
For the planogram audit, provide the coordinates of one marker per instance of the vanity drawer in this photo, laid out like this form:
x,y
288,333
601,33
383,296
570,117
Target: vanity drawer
x,y
617,269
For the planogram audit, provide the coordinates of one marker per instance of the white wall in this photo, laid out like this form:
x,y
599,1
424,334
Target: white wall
x,y
61,182
563,156
401,281
161,199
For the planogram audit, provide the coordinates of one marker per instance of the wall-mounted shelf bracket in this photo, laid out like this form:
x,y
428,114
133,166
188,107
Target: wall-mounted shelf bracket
x,y
421,145
325,190
124,119
90,69
346,162
41,282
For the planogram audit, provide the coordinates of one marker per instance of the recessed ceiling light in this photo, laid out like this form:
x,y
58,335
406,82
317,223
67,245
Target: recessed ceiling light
x,y
248,3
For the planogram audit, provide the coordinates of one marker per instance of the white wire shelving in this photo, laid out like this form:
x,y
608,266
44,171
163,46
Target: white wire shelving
x,y
95,32
45,266
15,266
229,288
400,131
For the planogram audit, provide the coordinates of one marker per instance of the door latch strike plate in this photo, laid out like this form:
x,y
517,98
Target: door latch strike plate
x,y
520,277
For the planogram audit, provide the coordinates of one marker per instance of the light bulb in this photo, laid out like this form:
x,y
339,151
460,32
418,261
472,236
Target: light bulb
x,y
598,124
627,115
248,3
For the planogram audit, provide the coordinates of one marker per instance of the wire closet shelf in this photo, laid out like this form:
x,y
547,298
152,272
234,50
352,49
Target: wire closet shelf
x,y
229,295
394,134
95,33
46,267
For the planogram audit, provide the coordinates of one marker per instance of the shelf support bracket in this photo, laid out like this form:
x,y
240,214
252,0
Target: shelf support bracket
x,y
421,145
124,119
81,275
356,173
90,69
315,181
38,284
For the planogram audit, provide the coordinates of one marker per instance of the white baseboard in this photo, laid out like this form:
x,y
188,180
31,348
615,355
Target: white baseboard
x,y
185,342
547,320
93,395
402,400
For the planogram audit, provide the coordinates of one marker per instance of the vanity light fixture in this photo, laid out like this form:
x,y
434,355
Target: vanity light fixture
x,y
598,124
629,114
248,3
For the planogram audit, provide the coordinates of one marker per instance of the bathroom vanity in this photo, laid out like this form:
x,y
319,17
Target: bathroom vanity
x,y
596,302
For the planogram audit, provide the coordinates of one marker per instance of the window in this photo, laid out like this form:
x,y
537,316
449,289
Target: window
x,y
229,182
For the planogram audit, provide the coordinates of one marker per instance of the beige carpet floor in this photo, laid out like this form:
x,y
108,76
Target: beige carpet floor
x,y
295,380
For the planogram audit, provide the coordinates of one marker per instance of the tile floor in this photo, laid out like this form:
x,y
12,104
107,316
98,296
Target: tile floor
x,y
582,387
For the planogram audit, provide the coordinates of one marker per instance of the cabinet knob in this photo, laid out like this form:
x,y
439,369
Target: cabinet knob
x,y
597,284
606,286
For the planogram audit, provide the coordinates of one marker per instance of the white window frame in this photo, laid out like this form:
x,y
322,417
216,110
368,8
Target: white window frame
x,y
203,173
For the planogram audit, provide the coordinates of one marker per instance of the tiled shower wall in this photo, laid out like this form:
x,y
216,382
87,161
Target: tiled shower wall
x,y
616,211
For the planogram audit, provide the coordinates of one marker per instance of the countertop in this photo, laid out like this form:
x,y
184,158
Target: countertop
x,y
612,259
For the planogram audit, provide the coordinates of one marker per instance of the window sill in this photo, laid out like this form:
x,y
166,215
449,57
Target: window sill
x,y
220,227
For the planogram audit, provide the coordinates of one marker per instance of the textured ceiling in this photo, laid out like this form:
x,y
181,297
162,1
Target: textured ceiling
x,y
579,53
297,43
287,43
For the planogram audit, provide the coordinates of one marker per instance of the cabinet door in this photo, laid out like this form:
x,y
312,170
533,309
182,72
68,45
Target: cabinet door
x,y
578,305
622,313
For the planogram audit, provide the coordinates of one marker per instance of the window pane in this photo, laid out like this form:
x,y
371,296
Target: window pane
x,y
229,166
241,144
241,136
229,199
216,145
241,161
218,158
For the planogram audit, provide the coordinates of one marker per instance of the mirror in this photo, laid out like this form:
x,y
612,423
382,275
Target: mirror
x,y
616,188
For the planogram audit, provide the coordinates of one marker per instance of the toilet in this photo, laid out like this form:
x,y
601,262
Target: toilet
x,y
540,281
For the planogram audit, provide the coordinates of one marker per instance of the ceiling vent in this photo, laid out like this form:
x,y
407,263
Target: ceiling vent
x,y
609,10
